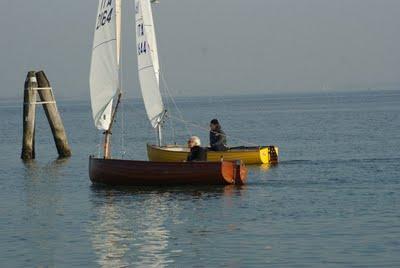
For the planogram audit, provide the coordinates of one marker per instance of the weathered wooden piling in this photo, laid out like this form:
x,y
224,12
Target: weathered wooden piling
x,y
53,116
29,110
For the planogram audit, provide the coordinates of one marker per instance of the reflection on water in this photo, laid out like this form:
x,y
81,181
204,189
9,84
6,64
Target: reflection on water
x,y
111,234
152,235
123,235
266,167
130,226
42,200
231,190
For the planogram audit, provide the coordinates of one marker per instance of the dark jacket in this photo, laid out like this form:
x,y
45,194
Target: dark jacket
x,y
218,140
197,153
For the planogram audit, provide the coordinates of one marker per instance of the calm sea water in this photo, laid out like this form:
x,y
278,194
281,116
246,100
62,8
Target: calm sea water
x,y
333,200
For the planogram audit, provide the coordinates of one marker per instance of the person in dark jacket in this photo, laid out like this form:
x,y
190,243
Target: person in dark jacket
x,y
217,137
197,153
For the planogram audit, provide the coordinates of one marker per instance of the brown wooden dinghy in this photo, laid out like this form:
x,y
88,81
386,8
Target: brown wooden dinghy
x,y
148,173
105,87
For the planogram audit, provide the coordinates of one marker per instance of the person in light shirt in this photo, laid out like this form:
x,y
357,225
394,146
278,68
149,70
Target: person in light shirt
x,y
197,153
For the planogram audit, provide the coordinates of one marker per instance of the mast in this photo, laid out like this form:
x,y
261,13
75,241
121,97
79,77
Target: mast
x,y
108,133
159,135
159,127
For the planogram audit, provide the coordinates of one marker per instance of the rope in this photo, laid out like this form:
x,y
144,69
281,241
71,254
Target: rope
x,y
121,80
176,106
167,103
123,149
122,141
40,88
99,146
186,123
172,122
204,128
39,102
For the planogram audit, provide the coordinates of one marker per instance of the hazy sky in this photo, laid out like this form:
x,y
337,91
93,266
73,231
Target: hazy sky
x,y
212,47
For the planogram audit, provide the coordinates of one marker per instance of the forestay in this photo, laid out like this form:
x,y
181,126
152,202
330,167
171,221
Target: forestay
x,y
148,66
104,69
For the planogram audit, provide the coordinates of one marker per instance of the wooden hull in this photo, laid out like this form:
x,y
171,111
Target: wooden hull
x,y
143,173
248,155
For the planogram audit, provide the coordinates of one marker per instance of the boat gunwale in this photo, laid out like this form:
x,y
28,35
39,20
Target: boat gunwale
x,y
92,157
231,149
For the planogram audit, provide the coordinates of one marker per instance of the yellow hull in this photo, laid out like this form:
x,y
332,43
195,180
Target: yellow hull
x,y
249,155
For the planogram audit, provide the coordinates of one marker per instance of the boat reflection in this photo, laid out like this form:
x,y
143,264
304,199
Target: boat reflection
x,y
129,226
265,167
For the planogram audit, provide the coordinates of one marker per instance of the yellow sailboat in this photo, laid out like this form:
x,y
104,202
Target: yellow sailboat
x,y
149,79
249,155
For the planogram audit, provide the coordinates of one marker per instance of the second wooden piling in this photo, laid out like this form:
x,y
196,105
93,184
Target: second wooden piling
x,y
53,116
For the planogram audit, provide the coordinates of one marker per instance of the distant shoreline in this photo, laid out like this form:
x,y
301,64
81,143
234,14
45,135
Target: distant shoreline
x,y
273,95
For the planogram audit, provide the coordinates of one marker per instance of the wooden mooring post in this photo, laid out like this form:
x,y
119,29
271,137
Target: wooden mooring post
x,y
38,82
53,116
29,110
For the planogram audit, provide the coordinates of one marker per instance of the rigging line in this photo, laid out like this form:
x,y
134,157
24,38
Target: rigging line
x,y
122,105
99,146
204,128
180,114
171,122
188,130
164,94
123,149
122,139
176,106
121,89
186,123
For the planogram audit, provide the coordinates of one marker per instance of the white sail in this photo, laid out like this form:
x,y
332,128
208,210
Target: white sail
x,y
148,66
104,69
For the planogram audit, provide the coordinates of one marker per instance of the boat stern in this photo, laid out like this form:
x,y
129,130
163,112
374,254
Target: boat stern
x,y
234,172
269,154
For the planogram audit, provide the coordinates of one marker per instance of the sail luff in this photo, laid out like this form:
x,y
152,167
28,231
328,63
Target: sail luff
x,y
104,68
